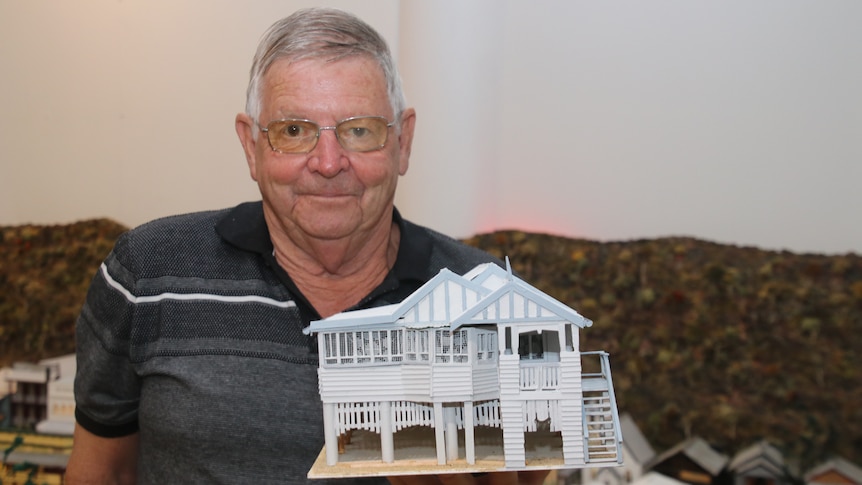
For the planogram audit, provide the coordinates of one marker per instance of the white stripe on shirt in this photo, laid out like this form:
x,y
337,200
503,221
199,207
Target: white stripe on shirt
x,y
191,296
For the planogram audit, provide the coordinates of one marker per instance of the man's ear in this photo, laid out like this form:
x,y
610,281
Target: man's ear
x,y
244,125
405,139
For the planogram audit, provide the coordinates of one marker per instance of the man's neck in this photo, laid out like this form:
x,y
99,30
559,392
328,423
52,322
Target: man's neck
x,y
335,275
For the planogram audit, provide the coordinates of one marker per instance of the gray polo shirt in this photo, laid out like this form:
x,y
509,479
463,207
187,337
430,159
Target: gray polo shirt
x,y
191,334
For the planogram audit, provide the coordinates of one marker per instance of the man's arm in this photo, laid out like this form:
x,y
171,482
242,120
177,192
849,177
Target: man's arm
x,y
102,461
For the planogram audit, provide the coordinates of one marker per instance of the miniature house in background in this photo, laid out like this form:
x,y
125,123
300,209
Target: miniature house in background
x,y
692,461
759,464
653,478
39,395
481,350
837,471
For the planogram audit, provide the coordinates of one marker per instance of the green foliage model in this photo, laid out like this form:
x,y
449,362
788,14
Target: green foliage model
x,y
732,344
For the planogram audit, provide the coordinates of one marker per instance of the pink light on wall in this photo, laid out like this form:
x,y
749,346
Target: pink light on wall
x,y
538,223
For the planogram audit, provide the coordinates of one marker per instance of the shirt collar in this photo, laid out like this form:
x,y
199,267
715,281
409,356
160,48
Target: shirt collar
x,y
245,228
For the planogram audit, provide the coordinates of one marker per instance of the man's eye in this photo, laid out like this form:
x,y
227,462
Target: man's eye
x,y
293,130
358,132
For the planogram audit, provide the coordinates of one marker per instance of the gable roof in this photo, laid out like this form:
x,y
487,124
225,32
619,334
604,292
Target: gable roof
x,y
485,294
655,478
382,315
489,275
435,303
760,455
698,451
515,300
441,299
837,465
634,440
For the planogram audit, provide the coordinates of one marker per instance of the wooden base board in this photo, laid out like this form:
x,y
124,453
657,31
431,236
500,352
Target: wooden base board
x,y
415,454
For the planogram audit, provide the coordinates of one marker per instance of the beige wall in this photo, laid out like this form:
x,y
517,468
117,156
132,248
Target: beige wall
x,y
733,120
125,109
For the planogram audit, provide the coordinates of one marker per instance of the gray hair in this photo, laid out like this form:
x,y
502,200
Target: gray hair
x,y
321,33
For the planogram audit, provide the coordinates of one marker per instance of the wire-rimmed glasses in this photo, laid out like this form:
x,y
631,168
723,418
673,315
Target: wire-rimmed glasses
x,y
357,134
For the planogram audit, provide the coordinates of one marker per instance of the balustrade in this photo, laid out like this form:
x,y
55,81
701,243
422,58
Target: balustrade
x,y
540,376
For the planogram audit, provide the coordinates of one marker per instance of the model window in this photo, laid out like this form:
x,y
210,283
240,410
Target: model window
x,y
397,341
442,346
486,346
416,345
345,341
530,346
363,348
381,345
375,346
450,346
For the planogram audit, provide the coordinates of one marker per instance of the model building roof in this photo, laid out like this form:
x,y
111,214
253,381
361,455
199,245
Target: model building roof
x,y
759,456
835,465
634,440
698,451
485,294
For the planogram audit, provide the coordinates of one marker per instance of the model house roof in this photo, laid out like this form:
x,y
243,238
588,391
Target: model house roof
x,y
838,466
515,301
434,304
758,459
485,294
698,451
655,478
634,440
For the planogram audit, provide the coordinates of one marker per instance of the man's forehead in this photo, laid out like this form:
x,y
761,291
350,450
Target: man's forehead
x,y
318,82
285,65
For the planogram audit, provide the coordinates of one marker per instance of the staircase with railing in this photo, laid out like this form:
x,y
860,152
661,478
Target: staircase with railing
x,y
602,438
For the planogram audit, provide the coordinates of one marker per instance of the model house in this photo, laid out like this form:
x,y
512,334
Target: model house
x,y
653,478
759,464
692,461
6,392
835,471
39,396
482,350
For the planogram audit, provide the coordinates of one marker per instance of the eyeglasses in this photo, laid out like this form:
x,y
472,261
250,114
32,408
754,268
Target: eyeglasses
x,y
359,134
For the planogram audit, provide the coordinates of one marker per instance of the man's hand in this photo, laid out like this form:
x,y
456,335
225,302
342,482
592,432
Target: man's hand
x,y
532,477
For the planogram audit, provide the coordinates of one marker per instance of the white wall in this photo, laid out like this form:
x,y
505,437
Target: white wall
x,y
730,120
125,108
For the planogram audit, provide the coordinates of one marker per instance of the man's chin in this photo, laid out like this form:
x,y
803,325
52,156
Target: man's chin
x,y
330,229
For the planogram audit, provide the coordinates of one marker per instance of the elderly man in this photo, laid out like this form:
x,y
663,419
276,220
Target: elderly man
x,y
192,367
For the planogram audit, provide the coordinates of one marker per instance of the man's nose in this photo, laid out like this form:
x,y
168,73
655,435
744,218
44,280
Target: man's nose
x,y
328,157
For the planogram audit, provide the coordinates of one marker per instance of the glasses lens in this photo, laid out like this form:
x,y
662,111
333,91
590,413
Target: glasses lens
x,y
363,134
292,136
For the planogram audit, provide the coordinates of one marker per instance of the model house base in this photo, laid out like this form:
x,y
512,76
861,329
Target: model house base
x,y
415,454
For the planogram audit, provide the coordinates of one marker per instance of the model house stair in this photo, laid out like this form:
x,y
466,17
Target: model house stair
x,y
601,421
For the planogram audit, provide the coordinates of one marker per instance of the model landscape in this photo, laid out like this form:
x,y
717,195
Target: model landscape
x,y
728,343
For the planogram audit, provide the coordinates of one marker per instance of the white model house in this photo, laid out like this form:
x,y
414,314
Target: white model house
x,y
483,349
41,395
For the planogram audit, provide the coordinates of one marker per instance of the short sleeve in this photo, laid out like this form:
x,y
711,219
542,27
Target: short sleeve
x,y
107,388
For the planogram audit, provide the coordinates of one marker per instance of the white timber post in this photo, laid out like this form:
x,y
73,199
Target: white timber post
x,y
451,434
330,436
387,446
469,439
439,427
